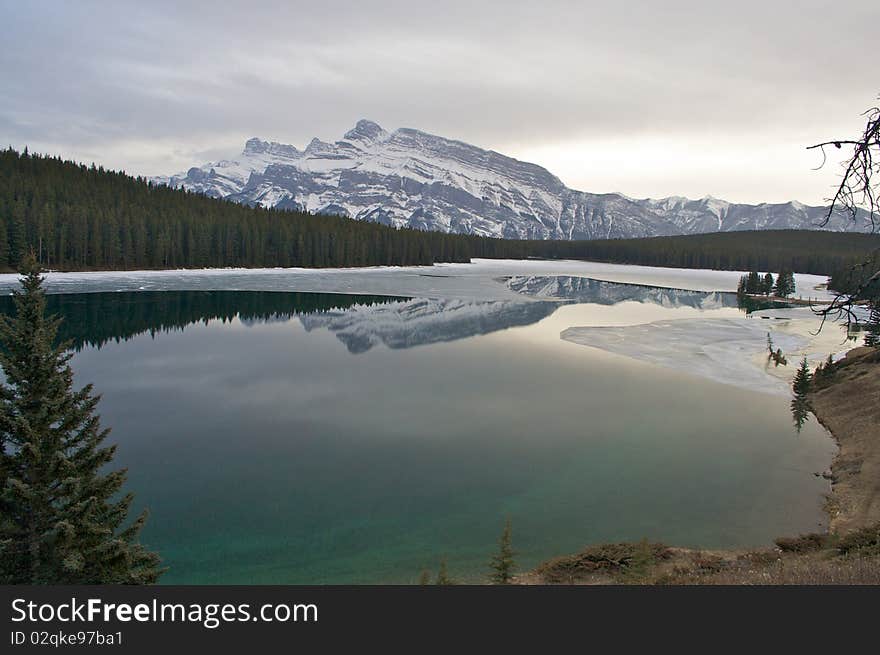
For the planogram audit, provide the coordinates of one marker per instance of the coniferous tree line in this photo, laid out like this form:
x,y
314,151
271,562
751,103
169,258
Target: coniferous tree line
x,y
802,251
754,284
87,218
76,217
851,278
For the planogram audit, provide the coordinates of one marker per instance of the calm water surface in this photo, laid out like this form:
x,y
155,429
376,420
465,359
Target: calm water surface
x,y
320,438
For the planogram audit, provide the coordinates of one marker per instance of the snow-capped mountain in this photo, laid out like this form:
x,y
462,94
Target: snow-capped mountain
x,y
411,178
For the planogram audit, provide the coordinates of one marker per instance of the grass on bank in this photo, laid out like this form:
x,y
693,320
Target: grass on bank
x,y
853,558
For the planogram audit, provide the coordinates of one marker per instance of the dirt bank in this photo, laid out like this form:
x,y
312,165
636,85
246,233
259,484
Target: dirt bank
x,y
849,406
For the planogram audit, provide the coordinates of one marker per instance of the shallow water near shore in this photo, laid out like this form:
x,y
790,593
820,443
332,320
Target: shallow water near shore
x,y
326,438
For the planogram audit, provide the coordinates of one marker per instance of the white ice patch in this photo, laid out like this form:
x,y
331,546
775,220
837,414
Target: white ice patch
x,y
721,349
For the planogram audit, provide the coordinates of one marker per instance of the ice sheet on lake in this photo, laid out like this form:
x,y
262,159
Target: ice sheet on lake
x,y
722,349
717,348
476,281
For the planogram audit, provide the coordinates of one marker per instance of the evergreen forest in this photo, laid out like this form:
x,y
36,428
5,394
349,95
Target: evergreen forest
x,y
77,217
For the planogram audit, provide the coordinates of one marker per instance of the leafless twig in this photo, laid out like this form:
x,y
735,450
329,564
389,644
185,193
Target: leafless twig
x,y
857,192
857,196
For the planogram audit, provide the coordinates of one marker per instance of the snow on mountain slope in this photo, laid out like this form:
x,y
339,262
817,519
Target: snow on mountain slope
x,y
414,179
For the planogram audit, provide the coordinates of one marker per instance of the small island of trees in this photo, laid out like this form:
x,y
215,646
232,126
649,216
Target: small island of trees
x,y
755,284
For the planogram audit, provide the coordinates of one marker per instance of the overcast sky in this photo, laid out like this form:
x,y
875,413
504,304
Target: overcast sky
x,y
647,98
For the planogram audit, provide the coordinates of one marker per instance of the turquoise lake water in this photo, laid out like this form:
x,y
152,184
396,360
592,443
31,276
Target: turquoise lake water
x,y
324,438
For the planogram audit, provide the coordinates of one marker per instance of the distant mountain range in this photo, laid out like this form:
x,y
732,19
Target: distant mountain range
x,y
411,178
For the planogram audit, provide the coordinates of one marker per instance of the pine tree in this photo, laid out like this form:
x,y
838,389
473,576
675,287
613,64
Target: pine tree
x,y
425,578
767,285
753,283
62,520
785,285
830,366
825,370
443,575
803,379
502,563
872,327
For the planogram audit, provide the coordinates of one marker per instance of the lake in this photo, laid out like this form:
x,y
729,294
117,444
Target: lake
x,y
312,438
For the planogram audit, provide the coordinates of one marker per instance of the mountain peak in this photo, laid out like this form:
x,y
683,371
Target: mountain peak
x,y
316,146
366,131
256,146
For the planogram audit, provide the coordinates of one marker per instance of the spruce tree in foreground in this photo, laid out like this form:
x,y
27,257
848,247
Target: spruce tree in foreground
x,y
502,563
62,516
803,379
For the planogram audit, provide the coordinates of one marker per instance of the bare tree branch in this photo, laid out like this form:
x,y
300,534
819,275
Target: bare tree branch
x,y
857,196
857,191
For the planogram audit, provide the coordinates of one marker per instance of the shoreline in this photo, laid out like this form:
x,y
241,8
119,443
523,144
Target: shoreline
x,y
840,407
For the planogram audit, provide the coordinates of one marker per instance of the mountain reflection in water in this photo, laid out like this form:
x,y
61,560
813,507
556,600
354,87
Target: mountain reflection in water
x,y
358,321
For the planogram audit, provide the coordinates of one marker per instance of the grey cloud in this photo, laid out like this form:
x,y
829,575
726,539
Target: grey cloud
x,y
152,83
